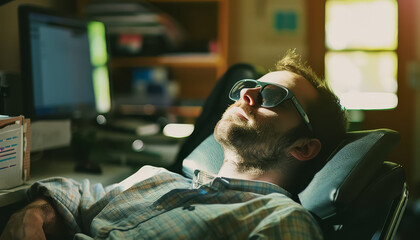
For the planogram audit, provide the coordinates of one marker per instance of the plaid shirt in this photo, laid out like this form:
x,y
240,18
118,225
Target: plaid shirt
x,y
157,204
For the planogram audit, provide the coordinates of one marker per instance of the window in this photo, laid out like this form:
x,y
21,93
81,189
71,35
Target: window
x,y
360,62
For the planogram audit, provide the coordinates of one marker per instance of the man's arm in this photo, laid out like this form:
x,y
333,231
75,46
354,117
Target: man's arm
x,y
37,220
71,201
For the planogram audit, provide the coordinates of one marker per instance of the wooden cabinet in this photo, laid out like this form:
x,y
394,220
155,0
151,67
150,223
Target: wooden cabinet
x,y
195,71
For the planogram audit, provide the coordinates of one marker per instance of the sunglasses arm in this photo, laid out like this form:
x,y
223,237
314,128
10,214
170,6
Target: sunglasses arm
x,y
302,112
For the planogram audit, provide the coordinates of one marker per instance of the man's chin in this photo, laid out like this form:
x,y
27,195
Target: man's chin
x,y
221,131
233,134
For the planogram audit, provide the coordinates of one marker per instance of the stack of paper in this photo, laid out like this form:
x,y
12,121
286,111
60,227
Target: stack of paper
x,y
14,151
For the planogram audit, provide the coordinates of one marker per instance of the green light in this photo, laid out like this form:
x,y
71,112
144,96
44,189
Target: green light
x,y
99,59
101,87
98,53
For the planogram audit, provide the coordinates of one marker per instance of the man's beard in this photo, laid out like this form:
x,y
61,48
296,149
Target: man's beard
x,y
259,146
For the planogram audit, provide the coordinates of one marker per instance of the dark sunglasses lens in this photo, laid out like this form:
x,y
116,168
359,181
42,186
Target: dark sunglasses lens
x,y
235,93
272,95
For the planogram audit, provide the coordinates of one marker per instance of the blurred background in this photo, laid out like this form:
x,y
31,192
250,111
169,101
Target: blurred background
x,y
367,50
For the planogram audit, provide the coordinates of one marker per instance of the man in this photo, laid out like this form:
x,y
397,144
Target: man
x,y
275,137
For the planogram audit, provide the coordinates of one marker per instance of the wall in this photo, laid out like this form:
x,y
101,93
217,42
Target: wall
x,y
9,30
253,37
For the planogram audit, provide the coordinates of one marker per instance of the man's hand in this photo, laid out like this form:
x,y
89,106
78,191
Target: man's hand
x,y
33,222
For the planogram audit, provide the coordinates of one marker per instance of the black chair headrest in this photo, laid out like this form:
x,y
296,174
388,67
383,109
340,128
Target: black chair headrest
x,y
349,171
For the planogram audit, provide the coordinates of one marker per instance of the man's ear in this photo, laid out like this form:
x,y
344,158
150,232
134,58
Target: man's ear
x,y
305,149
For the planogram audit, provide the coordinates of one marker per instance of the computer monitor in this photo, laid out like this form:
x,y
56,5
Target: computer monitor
x,y
63,66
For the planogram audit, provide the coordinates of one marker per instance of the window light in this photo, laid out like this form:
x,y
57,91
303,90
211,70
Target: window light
x,y
363,80
356,24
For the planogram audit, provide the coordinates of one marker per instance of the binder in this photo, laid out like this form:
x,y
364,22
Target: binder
x,y
14,151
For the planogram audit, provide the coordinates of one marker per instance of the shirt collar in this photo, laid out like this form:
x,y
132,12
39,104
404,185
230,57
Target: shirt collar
x,y
203,178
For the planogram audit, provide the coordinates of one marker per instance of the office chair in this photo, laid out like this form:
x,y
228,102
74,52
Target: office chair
x,y
356,195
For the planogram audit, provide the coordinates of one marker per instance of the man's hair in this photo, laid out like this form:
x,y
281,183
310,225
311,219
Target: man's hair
x,y
327,116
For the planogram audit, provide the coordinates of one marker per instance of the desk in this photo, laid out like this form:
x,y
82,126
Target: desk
x,y
64,167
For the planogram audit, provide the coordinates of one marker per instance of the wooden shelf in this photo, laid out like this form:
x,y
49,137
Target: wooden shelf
x,y
197,68
182,60
178,1
183,111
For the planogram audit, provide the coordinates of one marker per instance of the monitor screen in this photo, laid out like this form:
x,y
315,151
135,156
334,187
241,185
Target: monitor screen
x,y
64,65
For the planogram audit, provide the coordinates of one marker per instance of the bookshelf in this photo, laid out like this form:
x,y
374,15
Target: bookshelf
x,y
196,72
180,60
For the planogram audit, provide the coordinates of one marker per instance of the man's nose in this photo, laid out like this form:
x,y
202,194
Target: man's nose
x,y
250,96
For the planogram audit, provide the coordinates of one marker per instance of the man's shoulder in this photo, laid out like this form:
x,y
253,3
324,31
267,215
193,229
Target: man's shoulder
x,y
285,204
288,217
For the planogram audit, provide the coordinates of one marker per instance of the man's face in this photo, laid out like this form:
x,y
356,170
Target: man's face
x,y
260,134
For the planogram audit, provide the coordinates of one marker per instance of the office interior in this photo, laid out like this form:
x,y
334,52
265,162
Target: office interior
x,y
244,31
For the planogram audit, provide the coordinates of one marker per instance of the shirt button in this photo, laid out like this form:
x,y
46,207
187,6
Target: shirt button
x,y
159,207
189,208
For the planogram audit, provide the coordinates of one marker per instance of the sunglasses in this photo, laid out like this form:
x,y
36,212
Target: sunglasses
x,y
271,95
